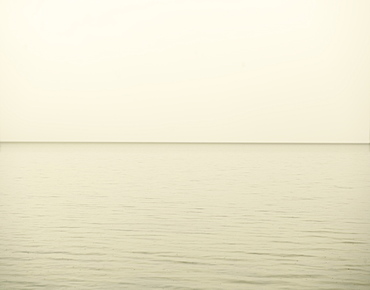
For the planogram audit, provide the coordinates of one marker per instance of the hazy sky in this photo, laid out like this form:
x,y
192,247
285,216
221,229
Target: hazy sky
x,y
189,70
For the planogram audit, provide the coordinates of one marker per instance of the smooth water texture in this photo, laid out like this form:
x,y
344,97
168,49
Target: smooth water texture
x,y
182,216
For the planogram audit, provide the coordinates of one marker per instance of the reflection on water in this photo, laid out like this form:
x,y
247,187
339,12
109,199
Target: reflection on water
x,y
160,216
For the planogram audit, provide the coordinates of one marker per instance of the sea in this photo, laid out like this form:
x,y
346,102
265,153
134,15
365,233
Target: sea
x,y
184,216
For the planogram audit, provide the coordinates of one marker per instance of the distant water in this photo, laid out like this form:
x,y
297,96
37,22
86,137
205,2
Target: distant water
x,y
141,216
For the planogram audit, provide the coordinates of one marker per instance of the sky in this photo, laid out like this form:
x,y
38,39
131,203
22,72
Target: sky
x,y
185,71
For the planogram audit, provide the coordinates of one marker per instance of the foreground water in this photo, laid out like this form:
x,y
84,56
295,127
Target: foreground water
x,y
160,216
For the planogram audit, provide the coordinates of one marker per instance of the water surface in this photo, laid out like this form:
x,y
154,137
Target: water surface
x,y
182,216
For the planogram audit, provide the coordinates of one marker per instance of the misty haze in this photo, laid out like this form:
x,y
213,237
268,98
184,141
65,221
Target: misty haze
x,y
195,144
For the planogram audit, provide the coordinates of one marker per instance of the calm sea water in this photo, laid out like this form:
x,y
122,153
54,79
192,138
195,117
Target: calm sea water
x,y
161,216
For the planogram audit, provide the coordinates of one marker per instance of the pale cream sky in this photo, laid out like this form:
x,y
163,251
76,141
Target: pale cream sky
x,y
185,71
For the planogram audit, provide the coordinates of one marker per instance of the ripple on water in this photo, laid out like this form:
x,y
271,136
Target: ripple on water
x,y
184,217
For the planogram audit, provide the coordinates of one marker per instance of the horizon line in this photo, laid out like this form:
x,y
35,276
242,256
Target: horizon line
x,y
172,142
